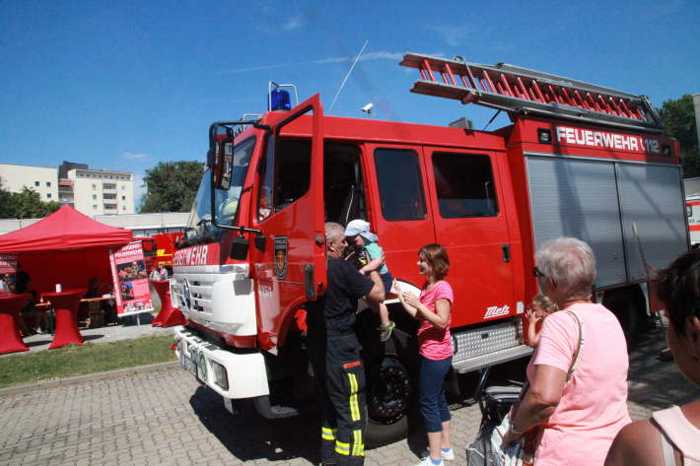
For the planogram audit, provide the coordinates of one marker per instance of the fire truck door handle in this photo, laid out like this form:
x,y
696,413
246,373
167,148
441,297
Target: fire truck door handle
x,y
506,252
309,285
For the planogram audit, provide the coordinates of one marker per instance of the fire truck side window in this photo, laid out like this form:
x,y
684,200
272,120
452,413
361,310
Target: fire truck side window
x,y
464,185
400,184
285,176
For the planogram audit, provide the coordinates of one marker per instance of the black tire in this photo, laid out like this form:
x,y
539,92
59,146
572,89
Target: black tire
x,y
388,402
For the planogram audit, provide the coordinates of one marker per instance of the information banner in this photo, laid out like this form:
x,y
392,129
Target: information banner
x,y
130,280
8,264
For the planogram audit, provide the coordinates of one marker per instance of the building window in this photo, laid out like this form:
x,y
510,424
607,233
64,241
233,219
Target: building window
x,y
123,198
109,196
48,195
123,207
109,186
94,186
123,188
464,185
48,184
36,183
400,184
94,197
94,206
110,206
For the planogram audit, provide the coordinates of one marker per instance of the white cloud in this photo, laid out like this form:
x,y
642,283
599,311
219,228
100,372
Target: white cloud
x,y
370,56
295,22
135,156
452,35
259,68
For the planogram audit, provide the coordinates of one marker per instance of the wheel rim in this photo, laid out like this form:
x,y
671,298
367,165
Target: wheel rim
x,y
389,393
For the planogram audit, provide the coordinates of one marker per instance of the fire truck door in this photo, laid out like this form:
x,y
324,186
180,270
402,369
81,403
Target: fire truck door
x,y
401,214
291,269
471,223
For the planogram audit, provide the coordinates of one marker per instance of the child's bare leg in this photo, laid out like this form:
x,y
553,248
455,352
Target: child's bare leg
x,y
383,314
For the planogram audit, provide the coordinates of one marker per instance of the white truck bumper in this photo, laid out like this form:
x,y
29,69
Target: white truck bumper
x,y
231,375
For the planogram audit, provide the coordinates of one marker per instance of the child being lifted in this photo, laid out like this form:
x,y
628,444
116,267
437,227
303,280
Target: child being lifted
x,y
369,257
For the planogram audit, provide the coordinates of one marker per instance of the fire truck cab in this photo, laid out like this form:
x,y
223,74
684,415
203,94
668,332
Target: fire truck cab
x,y
255,256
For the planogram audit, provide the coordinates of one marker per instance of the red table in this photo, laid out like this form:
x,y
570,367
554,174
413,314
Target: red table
x,y
66,305
168,315
10,306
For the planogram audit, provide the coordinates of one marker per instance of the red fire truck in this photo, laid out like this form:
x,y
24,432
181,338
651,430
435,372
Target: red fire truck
x,y
577,160
159,249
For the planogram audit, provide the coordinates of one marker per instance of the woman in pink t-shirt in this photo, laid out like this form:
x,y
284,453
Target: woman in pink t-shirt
x,y
580,414
433,308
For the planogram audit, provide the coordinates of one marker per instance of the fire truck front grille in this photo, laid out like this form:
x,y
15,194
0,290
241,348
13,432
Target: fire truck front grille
x,y
477,343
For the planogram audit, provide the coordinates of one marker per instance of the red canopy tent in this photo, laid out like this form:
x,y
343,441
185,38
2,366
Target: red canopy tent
x,y
65,247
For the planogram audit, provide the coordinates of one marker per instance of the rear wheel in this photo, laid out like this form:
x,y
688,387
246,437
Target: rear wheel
x,y
388,401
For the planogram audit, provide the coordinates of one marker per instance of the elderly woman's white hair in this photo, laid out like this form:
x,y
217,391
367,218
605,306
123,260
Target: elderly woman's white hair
x,y
570,263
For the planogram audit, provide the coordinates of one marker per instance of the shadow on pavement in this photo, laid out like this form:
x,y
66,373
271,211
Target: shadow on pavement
x,y
39,342
249,437
87,338
654,383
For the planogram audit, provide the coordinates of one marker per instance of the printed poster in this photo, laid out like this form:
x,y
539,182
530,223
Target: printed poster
x,y
130,280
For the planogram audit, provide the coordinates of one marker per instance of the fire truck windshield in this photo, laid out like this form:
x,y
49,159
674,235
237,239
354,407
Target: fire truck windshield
x,y
226,200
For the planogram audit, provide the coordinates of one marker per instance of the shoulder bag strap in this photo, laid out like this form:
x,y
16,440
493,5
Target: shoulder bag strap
x,y
579,346
574,359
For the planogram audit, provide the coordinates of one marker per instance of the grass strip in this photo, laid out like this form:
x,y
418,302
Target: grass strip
x,y
87,359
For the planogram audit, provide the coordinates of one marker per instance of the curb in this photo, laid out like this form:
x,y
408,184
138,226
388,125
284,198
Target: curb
x,y
98,376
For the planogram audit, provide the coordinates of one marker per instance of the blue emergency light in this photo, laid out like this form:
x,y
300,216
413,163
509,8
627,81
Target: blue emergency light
x,y
279,100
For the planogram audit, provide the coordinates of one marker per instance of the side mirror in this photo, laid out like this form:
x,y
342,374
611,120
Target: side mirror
x,y
223,163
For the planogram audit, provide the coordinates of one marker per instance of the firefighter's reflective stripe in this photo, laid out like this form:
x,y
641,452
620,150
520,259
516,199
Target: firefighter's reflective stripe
x,y
354,405
328,434
358,447
342,448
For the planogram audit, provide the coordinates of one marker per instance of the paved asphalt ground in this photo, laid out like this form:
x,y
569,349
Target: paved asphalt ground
x,y
164,417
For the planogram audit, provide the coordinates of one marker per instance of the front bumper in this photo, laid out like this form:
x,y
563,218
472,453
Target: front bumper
x,y
231,375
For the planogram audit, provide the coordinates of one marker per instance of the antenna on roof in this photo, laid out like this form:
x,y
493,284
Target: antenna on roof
x,y
342,84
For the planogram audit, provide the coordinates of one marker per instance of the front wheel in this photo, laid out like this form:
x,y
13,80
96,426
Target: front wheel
x,y
388,401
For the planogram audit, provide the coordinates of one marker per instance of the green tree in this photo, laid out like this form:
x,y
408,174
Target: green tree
x,y
24,204
28,204
678,117
6,209
171,186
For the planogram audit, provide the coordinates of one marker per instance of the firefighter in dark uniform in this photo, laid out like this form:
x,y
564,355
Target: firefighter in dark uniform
x,y
343,407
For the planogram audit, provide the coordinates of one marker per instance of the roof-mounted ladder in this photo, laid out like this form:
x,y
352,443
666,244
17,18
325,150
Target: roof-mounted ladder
x,y
520,90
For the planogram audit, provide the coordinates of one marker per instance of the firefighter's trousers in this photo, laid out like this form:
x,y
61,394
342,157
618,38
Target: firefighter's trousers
x,y
344,410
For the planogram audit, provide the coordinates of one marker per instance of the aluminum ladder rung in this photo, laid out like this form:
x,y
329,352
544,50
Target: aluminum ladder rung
x,y
516,89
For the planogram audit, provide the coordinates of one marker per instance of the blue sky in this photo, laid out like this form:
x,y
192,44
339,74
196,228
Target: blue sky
x,y
124,85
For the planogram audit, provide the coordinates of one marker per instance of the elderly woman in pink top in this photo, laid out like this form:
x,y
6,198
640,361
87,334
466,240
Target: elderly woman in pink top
x,y
580,416
433,309
672,436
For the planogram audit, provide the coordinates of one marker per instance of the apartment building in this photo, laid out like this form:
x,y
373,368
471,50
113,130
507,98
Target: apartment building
x,y
101,192
43,180
90,191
